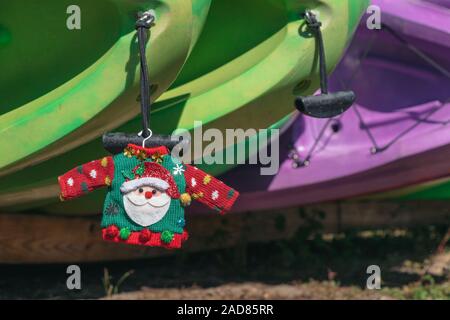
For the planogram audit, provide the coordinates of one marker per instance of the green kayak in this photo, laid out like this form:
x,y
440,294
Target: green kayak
x,y
62,87
432,190
243,72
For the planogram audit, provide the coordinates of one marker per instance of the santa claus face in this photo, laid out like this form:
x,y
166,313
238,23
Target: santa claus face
x,y
146,205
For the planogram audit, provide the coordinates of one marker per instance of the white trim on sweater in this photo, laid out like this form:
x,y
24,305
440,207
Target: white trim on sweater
x,y
132,185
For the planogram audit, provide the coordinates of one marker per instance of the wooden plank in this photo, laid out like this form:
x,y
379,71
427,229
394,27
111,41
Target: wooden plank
x,y
33,238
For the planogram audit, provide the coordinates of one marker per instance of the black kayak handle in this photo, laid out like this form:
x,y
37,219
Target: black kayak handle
x,y
325,105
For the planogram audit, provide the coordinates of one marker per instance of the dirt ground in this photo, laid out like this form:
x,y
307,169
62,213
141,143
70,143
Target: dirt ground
x,y
308,266
256,291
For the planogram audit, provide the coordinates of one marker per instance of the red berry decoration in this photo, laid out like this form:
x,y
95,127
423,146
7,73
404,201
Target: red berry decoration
x,y
111,232
144,236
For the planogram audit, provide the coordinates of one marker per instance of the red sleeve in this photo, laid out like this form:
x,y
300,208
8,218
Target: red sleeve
x,y
87,177
209,190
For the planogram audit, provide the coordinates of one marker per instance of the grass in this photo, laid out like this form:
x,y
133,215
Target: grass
x,y
426,289
109,286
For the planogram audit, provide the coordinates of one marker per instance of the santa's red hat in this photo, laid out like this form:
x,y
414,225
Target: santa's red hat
x,y
154,175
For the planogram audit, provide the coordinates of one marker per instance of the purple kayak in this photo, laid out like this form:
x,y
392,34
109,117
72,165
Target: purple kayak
x,y
396,134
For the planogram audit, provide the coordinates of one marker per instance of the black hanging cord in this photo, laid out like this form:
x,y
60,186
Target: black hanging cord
x,y
115,142
315,25
143,24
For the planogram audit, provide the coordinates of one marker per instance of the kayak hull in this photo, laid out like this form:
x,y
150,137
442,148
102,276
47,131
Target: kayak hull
x,y
396,134
242,84
71,94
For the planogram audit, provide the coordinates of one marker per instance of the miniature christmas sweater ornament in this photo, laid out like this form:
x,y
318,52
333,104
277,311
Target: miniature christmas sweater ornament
x,y
148,191
148,188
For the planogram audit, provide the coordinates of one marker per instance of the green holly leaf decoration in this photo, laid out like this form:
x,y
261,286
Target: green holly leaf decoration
x,y
128,174
140,170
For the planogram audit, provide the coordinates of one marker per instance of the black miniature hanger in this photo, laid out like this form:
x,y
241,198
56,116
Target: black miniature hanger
x,y
325,105
116,142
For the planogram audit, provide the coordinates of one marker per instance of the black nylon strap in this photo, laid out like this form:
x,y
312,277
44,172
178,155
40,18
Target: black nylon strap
x,y
313,23
143,24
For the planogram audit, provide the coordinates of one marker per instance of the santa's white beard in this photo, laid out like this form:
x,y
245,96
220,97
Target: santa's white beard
x,y
146,212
